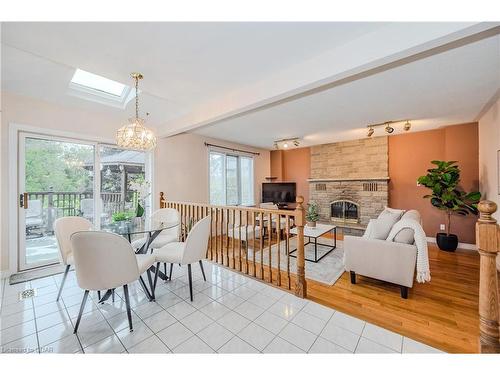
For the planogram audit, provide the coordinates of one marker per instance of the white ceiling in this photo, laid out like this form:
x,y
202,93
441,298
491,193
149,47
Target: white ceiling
x,y
444,89
201,73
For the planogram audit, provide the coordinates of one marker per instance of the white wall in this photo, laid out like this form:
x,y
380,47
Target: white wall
x,y
489,144
182,167
181,162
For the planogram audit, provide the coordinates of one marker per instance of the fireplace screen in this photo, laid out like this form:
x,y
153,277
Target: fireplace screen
x,y
344,210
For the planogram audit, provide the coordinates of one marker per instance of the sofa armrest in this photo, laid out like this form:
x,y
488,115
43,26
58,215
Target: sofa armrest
x,y
383,260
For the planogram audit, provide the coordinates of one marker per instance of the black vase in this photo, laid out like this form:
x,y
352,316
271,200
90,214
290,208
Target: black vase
x,y
447,242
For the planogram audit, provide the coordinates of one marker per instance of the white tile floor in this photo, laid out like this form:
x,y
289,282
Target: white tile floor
x,y
231,313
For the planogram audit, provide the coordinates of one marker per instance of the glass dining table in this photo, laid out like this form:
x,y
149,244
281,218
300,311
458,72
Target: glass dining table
x,y
145,232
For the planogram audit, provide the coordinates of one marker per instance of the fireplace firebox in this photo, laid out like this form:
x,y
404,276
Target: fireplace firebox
x,y
345,211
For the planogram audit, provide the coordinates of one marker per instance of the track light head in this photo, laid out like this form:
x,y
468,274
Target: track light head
x,y
407,126
389,129
370,132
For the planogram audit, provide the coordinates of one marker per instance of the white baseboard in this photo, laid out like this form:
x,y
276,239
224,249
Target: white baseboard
x,y
461,245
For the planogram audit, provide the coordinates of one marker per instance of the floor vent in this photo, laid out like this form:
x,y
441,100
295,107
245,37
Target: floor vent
x,y
28,293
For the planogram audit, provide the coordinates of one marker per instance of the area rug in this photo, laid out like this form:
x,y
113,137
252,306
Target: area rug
x,y
25,276
327,271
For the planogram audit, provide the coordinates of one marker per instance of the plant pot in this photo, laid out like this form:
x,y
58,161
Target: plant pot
x,y
311,224
447,242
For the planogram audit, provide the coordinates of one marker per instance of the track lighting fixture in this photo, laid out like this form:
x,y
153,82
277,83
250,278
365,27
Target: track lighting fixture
x,y
286,144
389,129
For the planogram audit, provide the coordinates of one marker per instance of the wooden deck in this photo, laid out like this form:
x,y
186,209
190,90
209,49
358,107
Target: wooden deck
x,y
442,313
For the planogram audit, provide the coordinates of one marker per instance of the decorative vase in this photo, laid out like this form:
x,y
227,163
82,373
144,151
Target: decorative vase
x,y
311,224
140,210
447,242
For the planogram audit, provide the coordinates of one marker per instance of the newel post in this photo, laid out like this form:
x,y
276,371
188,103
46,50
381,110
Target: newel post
x,y
163,202
300,284
487,243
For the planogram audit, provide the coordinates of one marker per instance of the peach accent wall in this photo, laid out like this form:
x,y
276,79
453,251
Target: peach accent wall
x,y
293,166
409,157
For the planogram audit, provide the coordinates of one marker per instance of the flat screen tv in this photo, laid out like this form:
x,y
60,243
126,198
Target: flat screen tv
x,y
278,192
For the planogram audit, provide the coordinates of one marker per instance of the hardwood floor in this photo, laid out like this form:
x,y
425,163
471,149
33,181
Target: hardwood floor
x,y
442,313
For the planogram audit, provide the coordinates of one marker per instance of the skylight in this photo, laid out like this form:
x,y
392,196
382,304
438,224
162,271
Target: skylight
x,y
95,82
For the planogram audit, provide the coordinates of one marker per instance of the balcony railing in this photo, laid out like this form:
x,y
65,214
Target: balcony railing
x,y
55,204
253,241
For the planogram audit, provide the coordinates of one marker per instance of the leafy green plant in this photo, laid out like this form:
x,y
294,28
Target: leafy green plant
x,y
446,194
312,214
122,216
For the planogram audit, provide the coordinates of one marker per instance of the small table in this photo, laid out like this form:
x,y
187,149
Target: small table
x,y
316,232
141,227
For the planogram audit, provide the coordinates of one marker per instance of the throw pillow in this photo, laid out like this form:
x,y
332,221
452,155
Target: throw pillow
x,y
405,235
392,213
380,228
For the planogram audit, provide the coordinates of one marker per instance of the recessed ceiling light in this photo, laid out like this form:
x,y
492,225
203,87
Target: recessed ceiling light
x,y
98,83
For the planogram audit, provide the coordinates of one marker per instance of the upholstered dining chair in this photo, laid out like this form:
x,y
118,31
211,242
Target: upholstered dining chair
x,y
105,261
193,250
64,227
167,216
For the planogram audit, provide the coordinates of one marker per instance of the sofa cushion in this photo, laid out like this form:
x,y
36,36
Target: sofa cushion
x,y
379,229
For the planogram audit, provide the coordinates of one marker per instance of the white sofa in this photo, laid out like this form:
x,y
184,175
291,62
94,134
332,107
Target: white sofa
x,y
390,261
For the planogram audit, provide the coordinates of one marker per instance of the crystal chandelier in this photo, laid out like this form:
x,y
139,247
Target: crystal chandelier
x,y
135,135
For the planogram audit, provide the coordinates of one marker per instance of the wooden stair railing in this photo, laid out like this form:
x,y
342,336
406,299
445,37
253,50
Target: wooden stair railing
x,y
254,241
487,237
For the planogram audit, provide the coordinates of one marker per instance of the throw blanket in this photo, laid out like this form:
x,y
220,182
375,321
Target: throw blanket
x,y
423,270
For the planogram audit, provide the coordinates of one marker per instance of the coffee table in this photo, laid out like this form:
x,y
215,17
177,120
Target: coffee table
x,y
316,232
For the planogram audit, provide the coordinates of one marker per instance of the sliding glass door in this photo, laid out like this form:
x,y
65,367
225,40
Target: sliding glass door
x,y
57,178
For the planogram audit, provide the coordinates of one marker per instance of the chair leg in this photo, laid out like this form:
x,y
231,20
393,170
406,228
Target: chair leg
x,y
190,282
144,288
151,286
202,270
66,271
165,268
127,303
404,292
82,307
157,271
171,268
99,295
113,296
353,277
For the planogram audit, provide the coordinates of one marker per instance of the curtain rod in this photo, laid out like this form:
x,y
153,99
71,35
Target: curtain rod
x,y
231,149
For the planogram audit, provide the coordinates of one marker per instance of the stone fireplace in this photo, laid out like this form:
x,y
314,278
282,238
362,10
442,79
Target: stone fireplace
x,y
349,181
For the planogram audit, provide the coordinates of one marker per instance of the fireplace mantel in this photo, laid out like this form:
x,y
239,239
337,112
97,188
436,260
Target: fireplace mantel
x,y
348,179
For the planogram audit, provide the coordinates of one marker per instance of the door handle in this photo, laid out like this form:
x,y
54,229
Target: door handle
x,y
23,200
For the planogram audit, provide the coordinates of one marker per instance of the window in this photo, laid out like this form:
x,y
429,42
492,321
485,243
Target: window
x,y
95,82
231,179
89,86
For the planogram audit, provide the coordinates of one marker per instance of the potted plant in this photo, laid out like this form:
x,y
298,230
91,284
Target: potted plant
x,y
143,190
312,215
448,197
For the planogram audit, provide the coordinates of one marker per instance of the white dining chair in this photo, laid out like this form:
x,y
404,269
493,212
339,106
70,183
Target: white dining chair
x,y
193,250
105,261
165,216
64,227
